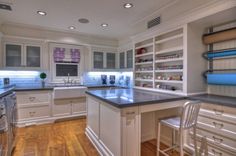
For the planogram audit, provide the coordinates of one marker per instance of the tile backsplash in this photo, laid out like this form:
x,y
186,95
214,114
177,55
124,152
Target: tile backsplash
x,y
21,78
124,79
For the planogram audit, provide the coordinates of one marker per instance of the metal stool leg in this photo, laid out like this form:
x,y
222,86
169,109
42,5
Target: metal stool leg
x,y
181,143
158,137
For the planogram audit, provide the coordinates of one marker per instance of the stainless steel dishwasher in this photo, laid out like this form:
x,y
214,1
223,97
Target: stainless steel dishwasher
x,y
4,133
11,119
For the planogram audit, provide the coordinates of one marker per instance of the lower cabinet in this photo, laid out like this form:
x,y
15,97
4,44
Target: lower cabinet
x,y
69,107
38,107
217,123
33,112
33,105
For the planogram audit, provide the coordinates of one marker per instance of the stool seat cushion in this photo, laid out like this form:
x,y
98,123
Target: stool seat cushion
x,y
173,122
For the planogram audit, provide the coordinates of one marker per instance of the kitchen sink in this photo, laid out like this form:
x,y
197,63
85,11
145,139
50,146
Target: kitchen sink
x,y
69,92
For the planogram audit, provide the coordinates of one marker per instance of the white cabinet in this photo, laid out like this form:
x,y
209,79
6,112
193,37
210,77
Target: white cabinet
x,y
33,105
104,60
22,55
218,124
93,116
126,59
69,107
113,131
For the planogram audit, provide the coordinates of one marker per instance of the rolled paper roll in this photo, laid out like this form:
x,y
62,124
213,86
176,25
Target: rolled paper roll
x,y
221,78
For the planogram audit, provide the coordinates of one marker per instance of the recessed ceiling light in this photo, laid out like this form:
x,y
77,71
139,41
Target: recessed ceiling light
x,y
71,27
42,13
128,5
83,20
104,24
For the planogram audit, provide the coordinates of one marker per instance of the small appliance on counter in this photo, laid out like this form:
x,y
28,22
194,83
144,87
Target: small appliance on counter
x,y
104,79
112,79
6,81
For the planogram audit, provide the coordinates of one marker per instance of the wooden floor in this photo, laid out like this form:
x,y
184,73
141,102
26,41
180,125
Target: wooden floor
x,y
63,139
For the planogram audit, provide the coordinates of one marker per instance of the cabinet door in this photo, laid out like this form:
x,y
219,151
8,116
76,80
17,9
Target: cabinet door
x,y
129,60
98,60
93,115
122,60
14,55
62,107
79,106
33,56
111,60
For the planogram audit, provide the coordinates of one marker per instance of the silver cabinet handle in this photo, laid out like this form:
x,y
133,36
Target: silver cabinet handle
x,y
218,112
216,153
218,125
217,140
32,98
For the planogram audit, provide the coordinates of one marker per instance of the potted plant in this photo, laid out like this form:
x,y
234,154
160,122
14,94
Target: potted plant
x,y
43,76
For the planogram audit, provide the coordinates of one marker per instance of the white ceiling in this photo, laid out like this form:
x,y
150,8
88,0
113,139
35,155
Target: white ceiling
x,y
63,13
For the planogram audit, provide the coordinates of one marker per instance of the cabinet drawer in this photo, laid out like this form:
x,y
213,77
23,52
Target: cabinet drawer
x,y
212,150
33,97
219,112
33,112
217,140
221,127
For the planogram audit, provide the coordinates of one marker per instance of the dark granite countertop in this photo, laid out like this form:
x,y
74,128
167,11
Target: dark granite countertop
x,y
6,91
215,99
33,88
132,97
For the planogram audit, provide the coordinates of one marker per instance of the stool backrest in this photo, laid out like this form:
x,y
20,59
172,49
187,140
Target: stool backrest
x,y
190,114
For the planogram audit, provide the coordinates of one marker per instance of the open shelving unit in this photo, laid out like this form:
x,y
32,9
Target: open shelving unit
x,y
159,62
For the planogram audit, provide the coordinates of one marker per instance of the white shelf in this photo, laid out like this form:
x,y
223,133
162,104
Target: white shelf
x,y
144,80
169,38
145,54
144,46
177,92
143,63
170,50
169,71
149,71
170,81
169,60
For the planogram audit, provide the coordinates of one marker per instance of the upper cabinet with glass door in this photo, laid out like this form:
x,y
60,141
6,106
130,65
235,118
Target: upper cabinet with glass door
x,y
22,55
126,59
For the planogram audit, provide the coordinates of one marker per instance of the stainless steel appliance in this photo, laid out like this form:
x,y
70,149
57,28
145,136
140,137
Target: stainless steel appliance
x,y
8,114
11,119
4,144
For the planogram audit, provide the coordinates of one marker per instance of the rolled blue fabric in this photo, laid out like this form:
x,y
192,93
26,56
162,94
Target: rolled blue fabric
x,y
222,54
222,79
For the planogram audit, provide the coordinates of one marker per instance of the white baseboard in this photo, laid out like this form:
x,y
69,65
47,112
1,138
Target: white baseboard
x,y
97,144
47,120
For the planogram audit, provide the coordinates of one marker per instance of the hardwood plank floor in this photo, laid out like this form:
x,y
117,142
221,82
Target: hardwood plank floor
x,y
65,138
59,139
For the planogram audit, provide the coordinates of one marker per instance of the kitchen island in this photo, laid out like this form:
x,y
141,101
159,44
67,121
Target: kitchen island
x,y
115,118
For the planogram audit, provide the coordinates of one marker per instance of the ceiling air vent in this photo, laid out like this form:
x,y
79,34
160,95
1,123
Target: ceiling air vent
x,y
5,6
154,22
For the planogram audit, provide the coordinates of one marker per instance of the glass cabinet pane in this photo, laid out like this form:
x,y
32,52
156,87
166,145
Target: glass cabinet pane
x,y
129,55
33,56
122,60
111,60
98,60
13,55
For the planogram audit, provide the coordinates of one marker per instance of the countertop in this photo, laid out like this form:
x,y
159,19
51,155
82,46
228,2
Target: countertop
x,y
5,91
215,99
132,97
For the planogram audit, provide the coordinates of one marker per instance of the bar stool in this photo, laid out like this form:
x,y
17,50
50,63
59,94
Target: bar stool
x,y
187,120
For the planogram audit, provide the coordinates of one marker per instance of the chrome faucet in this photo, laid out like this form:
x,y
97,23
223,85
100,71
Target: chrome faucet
x,y
68,81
